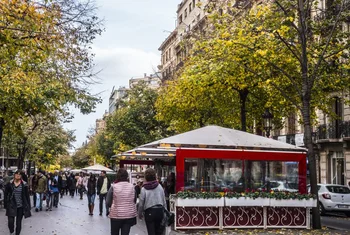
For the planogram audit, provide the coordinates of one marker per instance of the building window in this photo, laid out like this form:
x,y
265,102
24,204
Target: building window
x,y
180,19
198,17
337,168
190,7
194,3
185,13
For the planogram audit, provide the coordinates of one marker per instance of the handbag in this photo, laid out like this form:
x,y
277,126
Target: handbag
x,y
168,218
27,214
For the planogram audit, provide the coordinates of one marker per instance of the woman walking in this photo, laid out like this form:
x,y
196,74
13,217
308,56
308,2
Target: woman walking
x,y
91,193
71,184
121,199
17,202
152,203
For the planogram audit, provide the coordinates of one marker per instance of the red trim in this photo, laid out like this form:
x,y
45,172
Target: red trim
x,y
182,154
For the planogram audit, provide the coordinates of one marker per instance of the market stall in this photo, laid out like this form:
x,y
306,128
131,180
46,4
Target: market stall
x,y
215,162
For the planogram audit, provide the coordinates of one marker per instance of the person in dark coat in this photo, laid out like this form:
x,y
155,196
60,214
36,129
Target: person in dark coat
x,y
91,193
71,184
17,202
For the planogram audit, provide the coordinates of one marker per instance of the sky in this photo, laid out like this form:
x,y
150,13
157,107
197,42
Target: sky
x,y
134,30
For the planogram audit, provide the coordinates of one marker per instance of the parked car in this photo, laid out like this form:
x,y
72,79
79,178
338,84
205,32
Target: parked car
x,y
205,186
333,197
278,186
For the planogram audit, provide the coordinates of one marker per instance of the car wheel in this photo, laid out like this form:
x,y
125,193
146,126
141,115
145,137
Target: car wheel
x,y
347,213
321,209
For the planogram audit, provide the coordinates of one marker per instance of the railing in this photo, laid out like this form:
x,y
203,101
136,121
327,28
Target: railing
x,y
333,131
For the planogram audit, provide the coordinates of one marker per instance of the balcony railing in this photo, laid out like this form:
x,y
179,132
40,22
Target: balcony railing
x,y
333,131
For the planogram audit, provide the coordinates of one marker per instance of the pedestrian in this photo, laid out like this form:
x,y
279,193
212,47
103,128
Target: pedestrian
x,y
103,185
49,193
169,188
80,185
33,184
121,199
138,188
152,203
91,193
17,202
56,188
40,191
64,184
71,184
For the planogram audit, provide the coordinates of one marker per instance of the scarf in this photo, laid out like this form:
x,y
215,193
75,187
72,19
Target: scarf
x,y
151,185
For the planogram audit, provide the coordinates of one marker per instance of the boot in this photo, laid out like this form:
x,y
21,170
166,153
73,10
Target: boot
x,y
92,209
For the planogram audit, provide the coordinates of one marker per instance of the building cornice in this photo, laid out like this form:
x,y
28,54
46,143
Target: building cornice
x,y
181,5
167,40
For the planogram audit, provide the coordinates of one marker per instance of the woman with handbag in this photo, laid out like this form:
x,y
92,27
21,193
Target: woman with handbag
x,y
121,199
152,204
17,202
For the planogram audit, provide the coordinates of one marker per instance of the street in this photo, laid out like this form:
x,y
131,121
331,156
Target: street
x,y
71,218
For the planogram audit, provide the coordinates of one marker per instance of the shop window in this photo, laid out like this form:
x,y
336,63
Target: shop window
x,y
239,175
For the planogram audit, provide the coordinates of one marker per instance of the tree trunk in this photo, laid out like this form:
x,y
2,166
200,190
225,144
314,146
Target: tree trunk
x,y
307,85
243,94
2,124
316,219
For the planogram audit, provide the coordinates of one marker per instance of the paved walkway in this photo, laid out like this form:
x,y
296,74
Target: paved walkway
x,y
70,218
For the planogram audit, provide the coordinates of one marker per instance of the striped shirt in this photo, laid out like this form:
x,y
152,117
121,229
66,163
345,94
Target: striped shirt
x,y
17,193
123,202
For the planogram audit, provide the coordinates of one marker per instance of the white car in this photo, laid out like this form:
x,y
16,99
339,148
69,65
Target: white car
x,y
333,197
278,186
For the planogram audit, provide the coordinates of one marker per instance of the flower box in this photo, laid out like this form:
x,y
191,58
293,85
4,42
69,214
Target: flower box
x,y
287,203
310,202
198,202
242,201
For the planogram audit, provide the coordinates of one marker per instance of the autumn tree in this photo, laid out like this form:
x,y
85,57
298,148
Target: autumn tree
x,y
45,57
304,55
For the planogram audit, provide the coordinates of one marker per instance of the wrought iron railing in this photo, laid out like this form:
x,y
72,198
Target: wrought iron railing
x,y
336,130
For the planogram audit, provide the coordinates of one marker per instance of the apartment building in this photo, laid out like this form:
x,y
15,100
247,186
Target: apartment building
x,y
152,81
115,98
190,19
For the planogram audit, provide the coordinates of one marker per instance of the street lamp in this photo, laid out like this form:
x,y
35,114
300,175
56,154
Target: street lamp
x,y
267,116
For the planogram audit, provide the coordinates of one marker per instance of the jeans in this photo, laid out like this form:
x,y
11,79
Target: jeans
x,y
11,221
39,200
56,198
122,225
91,199
34,199
49,200
153,219
101,197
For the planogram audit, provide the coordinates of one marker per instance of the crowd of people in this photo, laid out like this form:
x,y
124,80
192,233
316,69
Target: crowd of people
x,y
121,200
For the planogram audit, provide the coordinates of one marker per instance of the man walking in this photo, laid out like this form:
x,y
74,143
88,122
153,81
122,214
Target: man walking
x,y
103,185
40,191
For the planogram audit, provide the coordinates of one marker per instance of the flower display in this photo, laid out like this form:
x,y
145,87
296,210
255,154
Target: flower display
x,y
253,194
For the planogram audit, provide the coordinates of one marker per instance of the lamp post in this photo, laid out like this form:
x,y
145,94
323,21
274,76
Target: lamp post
x,y
20,145
267,117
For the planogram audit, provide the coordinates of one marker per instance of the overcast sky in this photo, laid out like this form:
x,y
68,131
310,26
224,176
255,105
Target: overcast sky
x,y
134,30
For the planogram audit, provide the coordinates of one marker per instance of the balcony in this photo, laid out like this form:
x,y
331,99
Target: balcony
x,y
335,130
